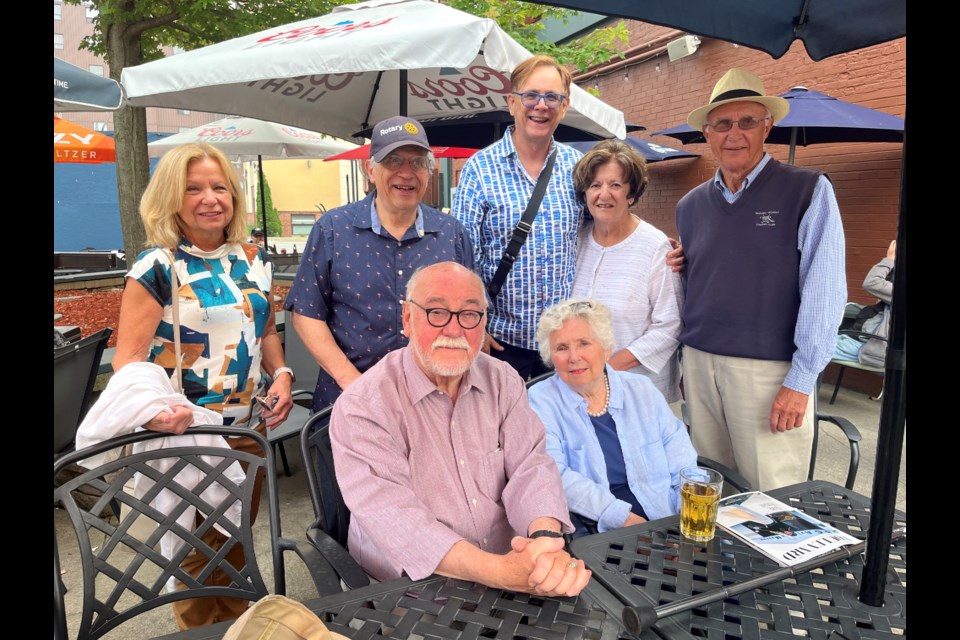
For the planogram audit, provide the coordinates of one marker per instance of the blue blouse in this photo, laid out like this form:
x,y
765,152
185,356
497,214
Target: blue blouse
x,y
654,442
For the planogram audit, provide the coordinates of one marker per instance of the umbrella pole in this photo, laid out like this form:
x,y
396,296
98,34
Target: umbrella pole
x,y
793,145
403,92
893,416
263,202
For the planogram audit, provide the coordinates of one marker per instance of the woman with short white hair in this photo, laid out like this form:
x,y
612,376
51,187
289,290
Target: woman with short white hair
x,y
616,442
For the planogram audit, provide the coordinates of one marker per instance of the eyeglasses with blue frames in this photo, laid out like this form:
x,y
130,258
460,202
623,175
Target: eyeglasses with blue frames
x,y
393,162
745,123
530,99
439,317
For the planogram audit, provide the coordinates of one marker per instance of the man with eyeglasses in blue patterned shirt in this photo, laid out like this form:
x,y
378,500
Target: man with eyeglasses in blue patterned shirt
x,y
494,188
765,290
346,298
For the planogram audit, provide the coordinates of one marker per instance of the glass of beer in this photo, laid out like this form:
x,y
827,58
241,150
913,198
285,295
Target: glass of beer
x,y
699,494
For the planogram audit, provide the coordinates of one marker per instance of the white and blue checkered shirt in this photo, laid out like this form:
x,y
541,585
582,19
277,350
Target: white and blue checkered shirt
x,y
492,194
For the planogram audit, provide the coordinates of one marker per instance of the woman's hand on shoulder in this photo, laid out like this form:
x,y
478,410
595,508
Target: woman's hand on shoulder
x,y
172,420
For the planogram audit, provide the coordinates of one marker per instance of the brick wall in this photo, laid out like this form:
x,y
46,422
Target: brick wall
x,y
658,94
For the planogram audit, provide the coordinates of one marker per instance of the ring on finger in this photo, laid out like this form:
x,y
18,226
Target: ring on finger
x,y
572,564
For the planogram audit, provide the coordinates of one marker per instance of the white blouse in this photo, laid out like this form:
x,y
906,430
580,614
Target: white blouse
x,y
644,297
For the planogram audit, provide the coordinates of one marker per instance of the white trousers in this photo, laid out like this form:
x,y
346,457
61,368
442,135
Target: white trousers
x,y
729,401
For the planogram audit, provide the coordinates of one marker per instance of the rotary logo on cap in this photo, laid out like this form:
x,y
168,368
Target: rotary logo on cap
x,y
411,128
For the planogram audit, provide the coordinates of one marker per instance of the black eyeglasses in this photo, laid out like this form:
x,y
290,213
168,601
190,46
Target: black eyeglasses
x,y
745,123
530,99
439,317
417,163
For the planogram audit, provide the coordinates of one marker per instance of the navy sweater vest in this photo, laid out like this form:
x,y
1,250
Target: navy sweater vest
x,y
743,265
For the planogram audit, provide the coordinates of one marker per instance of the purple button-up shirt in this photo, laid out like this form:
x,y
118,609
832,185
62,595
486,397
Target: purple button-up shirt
x,y
420,473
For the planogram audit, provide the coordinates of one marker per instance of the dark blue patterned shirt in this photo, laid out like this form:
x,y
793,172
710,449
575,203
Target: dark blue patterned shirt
x,y
353,275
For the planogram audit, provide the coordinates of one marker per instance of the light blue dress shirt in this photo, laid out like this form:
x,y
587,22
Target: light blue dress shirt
x,y
823,280
655,447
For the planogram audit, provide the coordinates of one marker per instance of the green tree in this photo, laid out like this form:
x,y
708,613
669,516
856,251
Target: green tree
x,y
274,226
131,32
524,22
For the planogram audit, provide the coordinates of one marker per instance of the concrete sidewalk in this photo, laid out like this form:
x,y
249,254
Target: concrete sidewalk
x,y
297,513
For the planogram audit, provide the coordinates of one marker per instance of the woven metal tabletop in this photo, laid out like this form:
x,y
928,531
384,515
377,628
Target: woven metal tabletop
x,y
455,609
654,564
443,608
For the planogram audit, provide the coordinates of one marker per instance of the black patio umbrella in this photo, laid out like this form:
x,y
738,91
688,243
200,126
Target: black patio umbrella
x,y
827,28
482,129
651,151
816,118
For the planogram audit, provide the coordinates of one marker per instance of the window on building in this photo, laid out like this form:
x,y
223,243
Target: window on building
x,y
96,69
91,12
302,223
99,126
183,112
56,10
58,41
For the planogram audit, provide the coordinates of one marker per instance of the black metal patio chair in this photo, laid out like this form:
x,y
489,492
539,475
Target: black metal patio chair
x,y
74,374
123,572
328,532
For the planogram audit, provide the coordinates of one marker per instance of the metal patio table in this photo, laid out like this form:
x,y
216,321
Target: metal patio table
x,y
653,564
444,608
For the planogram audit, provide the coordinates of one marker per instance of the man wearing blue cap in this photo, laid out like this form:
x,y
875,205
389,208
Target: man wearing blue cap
x,y
346,298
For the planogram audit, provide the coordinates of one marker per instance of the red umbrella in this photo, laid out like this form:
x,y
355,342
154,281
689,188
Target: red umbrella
x,y
363,153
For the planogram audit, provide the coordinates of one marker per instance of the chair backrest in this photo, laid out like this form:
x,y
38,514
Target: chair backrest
x,y
124,575
74,373
298,357
539,378
332,514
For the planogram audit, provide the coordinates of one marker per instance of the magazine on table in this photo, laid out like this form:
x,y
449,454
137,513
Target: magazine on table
x,y
778,530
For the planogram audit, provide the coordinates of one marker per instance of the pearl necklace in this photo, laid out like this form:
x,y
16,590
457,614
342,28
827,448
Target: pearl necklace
x,y
606,399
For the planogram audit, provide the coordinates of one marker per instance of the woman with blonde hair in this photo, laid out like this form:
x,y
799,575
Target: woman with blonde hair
x,y
203,296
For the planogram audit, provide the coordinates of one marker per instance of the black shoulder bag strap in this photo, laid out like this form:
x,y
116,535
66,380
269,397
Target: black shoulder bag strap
x,y
522,230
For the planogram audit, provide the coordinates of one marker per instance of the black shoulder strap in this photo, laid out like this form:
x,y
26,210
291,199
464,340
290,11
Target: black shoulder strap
x,y
522,230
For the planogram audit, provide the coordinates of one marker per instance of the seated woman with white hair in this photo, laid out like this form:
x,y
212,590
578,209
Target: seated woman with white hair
x,y
616,442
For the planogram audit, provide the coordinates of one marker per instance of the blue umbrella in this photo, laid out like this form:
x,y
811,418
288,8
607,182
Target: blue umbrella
x,y
77,90
816,118
651,151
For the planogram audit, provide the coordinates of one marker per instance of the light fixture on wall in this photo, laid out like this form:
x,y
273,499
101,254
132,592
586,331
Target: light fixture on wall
x,y
682,47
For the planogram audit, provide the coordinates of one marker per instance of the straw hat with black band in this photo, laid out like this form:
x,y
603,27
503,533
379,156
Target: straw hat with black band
x,y
739,85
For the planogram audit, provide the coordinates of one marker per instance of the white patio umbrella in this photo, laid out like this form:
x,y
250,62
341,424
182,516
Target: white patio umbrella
x,y
341,73
251,138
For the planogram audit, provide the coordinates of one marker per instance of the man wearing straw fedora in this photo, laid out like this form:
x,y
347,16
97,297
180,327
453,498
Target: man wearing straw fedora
x,y
765,290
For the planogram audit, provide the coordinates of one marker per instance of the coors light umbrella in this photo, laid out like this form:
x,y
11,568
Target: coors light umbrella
x,y
343,72
75,89
816,118
827,28
249,137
